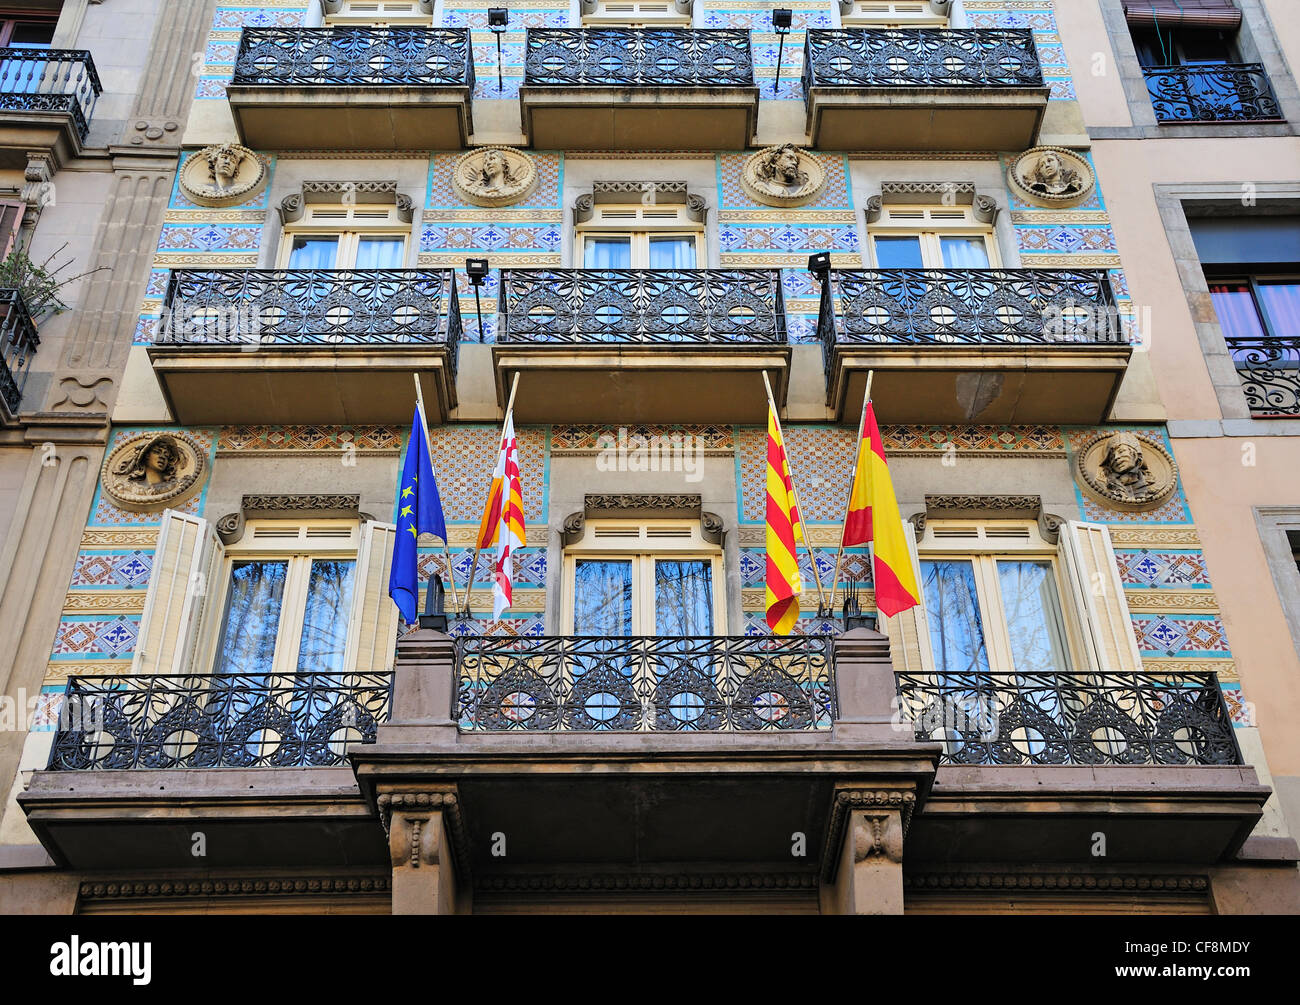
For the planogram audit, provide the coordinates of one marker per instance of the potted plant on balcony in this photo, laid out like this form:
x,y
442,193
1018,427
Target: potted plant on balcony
x,y
38,283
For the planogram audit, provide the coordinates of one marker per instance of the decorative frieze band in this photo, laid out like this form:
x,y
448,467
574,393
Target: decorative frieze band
x,y
260,886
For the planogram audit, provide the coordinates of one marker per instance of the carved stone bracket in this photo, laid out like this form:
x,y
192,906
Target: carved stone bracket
x,y
940,7
293,206
652,505
329,7
927,193
415,846
230,528
683,7
887,818
989,507
649,193
38,184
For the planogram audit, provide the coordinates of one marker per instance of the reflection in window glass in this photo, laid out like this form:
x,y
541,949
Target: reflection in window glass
x,y
313,252
953,611
1034,621
683,597
898,252
1235,307
325,622
248,632
607,252
964,252
672,252
380,253
1280,299
602,598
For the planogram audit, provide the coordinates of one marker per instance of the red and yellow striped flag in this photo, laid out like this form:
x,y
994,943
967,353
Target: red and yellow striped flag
x,y
873,516
510,536
784,584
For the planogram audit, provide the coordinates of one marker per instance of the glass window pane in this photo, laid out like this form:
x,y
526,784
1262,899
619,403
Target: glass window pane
x,y
683,597
1280,301
898,253
953,610
607,252
965,252
325,622
1034,620
313,252
602,598
380,253
672,252
252,619
1235,306
32,35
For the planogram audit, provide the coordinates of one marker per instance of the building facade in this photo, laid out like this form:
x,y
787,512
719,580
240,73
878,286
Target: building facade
x,y
1019,223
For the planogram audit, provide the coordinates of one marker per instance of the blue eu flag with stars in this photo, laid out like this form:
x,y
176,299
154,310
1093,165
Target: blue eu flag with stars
x,y
419,511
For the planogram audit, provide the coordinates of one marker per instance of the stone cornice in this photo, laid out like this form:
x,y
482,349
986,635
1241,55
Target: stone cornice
x,y
700,883
1061,882
258,886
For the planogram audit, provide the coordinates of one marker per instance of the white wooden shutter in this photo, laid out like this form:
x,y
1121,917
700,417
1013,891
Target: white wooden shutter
x,y
372,626
1103,616
185,562
909,632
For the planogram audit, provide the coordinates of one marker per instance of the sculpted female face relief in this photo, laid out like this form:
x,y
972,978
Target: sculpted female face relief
x,y
151,471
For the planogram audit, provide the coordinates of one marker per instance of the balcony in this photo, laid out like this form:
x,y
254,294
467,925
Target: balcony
x,y
18,342
973,90
641,345
353,88
638,89
1228,92
328,346
1269,369
959,345
47,97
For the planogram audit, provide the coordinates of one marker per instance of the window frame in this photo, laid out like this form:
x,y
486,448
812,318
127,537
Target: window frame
x,y
350,224
640,223
346,17
602,17
908,220
1251,279
865,15
10,20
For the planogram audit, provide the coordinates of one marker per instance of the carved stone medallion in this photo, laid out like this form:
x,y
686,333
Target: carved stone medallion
x,y
1051,176
783,176
494,176
152,471
1126,471
222,175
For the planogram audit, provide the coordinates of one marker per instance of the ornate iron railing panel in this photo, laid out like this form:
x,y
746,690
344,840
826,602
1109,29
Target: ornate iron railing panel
x,y
50,80
669,306
349,57
255,308
638,57
1270,374
1228,92
575,684
230,721
1127,718
920,57
18,342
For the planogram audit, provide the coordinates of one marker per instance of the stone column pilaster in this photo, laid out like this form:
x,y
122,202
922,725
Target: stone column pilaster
x,y
863,863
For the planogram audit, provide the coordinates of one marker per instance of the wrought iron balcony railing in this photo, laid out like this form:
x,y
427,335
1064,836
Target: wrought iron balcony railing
x,y
351,57
228,721
50,80
262,308
18,342
920,57
572,684
668,306
1227,92
1270,373
1129,718
638,57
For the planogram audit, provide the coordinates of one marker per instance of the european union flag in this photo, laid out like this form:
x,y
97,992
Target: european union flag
x,y
419,511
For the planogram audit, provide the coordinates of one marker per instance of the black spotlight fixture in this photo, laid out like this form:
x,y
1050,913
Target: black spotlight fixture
x,y
782,19
498,18
820,265
477,270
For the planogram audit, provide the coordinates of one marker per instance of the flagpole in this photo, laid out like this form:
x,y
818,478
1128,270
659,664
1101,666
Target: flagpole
x,y
807,538
473,569
428,446
848,500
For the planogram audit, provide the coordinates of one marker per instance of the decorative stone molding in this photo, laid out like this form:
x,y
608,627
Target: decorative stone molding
x,y
1061,882
258,886
872,838
416,845
784,175
648,193
144,131
940,7
223,174
38,182
494,176
664,506
1126,471
1051,176
340,193
927,193
989,507
230,528
329,7
151,471
83,393
732,883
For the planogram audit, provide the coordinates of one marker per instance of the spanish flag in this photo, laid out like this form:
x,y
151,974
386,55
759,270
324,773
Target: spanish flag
x,y
784,584
873,516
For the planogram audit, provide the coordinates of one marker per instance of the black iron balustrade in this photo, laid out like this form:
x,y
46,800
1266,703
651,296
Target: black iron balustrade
x,y
1269,369
348,56
1088,719
50,80
18,342
920,57
223,721
257,307
668,306
638,57
1223,92
662,684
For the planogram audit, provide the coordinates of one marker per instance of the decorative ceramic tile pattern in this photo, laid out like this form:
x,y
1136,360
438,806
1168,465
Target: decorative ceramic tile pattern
x,y
1168,569
530,566
806,625
112,570
1175,510
984,439
309,439
856,563
593,439
821,460
82,637
464,457
223,40
1180,635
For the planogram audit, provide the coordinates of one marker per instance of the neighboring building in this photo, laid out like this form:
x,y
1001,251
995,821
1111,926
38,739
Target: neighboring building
x,y
952,200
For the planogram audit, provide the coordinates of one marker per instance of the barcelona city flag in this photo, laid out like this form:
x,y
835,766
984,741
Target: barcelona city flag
x,y
873,517
784,584
419,511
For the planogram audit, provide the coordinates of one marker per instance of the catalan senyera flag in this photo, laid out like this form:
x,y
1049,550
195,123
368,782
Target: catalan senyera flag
x,y
784,584
510,520
873,516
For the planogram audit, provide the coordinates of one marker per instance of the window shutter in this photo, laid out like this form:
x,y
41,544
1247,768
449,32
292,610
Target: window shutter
x,y
372,627
11,221
909,632
1221,14
184,567
1098,591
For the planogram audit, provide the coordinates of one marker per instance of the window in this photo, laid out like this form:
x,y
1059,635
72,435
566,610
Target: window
x,y
1258,306
640,237
379,13
29,32
893,14
627,578
345,237
636,13
1184,47
931,237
